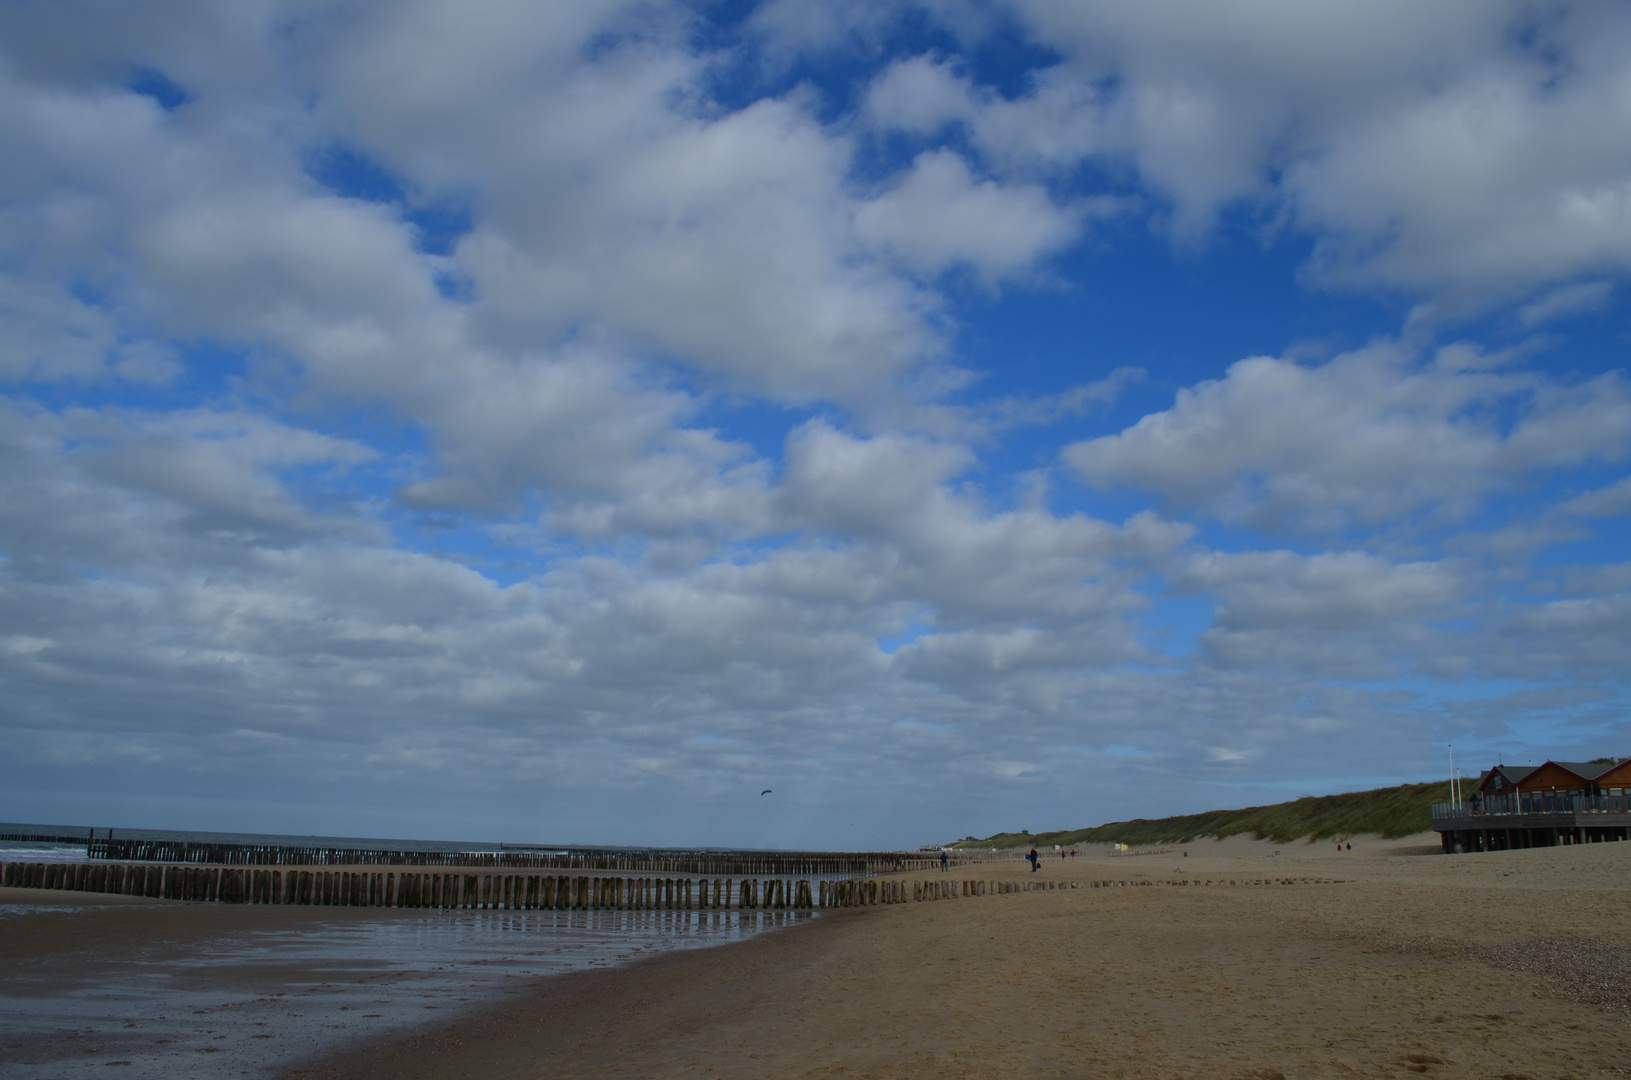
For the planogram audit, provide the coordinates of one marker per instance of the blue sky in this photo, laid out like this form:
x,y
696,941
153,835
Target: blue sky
x,y
563,422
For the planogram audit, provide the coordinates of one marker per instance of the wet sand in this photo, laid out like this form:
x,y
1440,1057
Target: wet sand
x,y
1505,964
163,989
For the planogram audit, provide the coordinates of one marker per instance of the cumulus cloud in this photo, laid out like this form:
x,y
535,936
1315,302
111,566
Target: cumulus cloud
x,y
1369,437
1322,614
940,216
1470,152
612,193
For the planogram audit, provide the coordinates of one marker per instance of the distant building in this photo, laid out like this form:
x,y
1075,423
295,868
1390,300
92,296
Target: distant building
x,y
1556,802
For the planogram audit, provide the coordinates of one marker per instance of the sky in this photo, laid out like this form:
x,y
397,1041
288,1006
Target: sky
x,y
561,422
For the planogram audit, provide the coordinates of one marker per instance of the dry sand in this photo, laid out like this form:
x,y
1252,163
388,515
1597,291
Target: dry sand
x,y
1491,965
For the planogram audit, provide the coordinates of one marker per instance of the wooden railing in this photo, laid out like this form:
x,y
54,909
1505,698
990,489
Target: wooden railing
x,y
1533,803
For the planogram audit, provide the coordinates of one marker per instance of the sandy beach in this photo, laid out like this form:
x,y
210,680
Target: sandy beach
x,y
1494,965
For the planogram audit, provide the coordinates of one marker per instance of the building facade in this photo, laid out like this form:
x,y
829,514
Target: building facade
x,y
1555,802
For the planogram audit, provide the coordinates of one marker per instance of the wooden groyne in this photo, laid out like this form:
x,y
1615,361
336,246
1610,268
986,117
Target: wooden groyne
x,y
866,892
534,892
345,888
44,838
869,891
711,864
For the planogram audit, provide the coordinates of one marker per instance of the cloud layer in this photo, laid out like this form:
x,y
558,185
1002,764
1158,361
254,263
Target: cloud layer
x,y
559,421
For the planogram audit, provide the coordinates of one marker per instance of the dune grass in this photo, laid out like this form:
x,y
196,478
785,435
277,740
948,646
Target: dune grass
x,y
1392,812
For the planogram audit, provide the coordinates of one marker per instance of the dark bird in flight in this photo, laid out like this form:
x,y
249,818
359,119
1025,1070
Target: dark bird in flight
x,y
766,791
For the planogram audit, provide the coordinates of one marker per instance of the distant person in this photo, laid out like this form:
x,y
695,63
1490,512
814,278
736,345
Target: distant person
x,y
1350,847
1061,856
945,862
1035,861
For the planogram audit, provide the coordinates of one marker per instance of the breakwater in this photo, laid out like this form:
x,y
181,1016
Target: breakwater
x,y
624,862
864,893
37,837
345,888
531,892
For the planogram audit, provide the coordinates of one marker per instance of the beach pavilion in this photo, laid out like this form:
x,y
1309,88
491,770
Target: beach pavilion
x,y
1555,802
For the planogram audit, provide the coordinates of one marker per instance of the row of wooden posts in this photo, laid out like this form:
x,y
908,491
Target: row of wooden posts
x,y
867,892
578,892
525,892
864,893
758,864
41,838
340,888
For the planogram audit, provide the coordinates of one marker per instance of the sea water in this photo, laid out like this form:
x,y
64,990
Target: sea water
x,y
24,850
252,1003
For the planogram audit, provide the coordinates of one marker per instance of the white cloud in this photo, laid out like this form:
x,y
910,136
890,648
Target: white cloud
x,y
1367,438
611,193
1328,614
921,95
1470,151
1565,301
940,216
1611,501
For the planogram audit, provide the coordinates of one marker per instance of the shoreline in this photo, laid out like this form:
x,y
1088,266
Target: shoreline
x,y
168,988
576,1014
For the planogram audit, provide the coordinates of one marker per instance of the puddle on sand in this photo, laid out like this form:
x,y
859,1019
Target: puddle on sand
x,y
254,1002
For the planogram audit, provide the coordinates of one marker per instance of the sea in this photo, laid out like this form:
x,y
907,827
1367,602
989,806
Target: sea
x,y
253,1001
11,850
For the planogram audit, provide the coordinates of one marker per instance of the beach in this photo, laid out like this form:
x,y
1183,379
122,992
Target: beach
x,y
1407,963
1382,961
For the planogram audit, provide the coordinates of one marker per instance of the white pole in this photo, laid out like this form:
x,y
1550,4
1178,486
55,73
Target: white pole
x,y
1455,789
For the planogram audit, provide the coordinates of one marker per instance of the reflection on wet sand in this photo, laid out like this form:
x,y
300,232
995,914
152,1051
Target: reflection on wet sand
x,y
161,990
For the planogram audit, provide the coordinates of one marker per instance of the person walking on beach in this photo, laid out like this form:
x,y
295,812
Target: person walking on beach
x,y
1035,861
945,861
